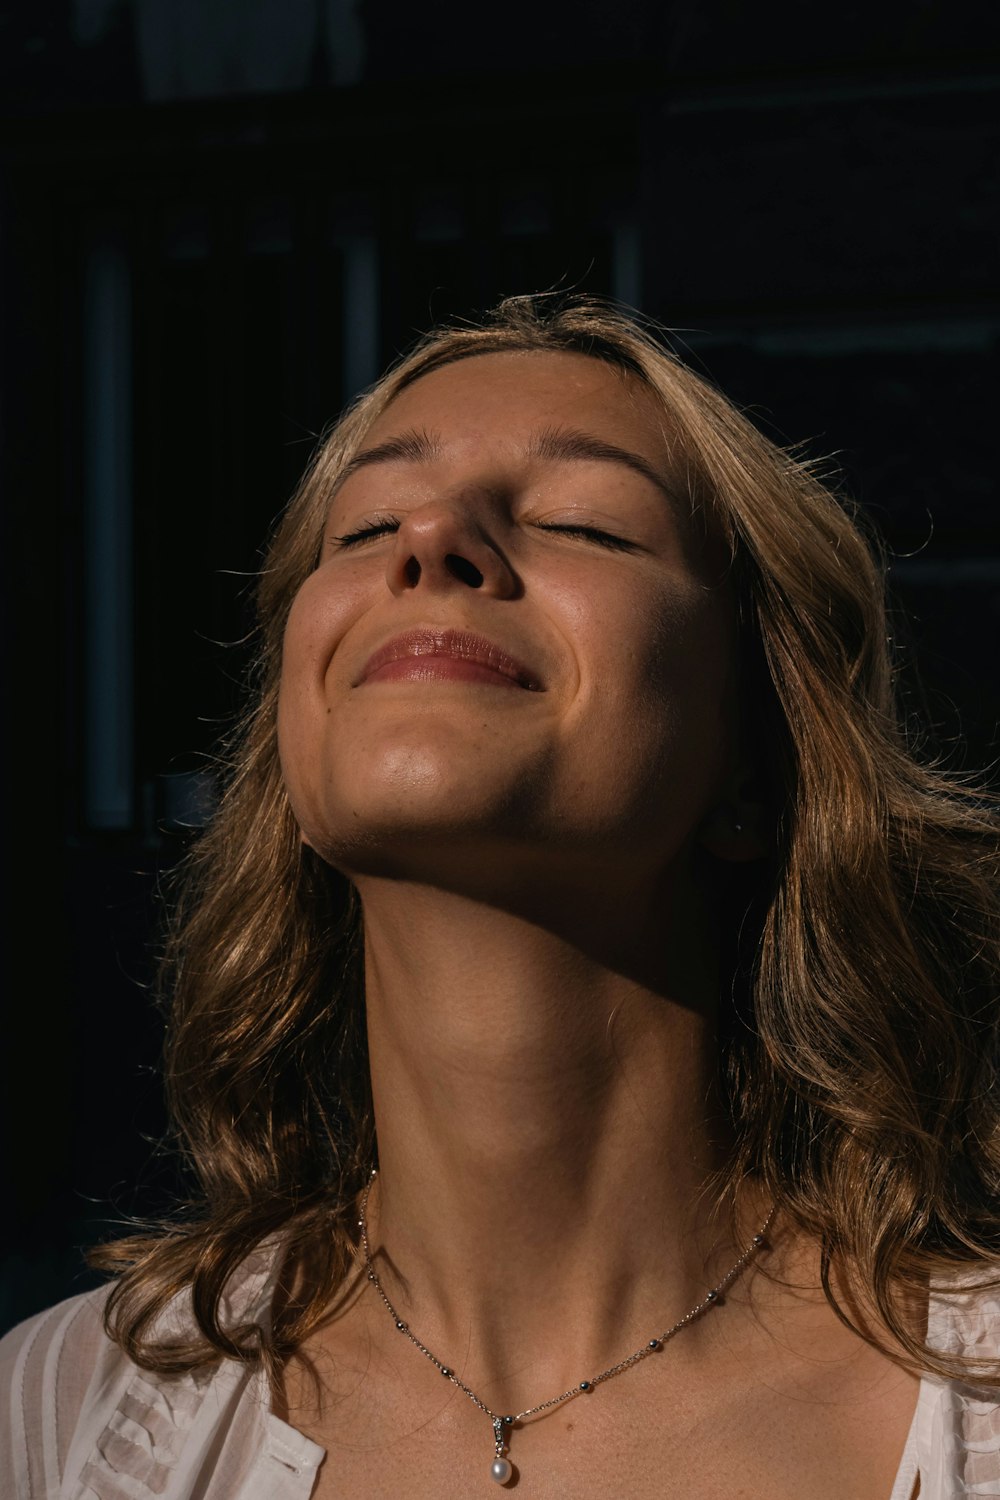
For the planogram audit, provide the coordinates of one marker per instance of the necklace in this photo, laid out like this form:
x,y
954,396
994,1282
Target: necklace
x,y
501,1469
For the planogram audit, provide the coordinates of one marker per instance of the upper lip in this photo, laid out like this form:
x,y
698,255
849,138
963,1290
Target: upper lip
x,y
463,644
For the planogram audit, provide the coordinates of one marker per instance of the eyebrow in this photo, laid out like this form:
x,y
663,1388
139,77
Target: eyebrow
x,y
556,444
561,443
410,447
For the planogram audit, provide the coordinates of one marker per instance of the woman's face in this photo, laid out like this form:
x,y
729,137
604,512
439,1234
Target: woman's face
x,y
514,650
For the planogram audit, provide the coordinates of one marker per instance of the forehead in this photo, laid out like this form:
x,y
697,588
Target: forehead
x,y
514,392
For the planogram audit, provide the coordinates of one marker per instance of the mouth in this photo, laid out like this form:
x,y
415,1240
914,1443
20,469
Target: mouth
x,y
447,656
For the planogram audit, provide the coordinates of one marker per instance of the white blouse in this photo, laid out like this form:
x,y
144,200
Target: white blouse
x,y
81,1422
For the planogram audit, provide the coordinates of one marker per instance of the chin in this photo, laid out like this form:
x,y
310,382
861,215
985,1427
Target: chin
x,y
423,787
408,822
429,852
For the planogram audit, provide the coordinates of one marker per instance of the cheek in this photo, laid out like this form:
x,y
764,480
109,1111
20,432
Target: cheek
x,y
311,637
674,693
323,611
299,657
312,627
690,654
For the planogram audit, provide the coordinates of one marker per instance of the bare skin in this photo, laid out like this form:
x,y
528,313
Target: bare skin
x,y
777,1399
536,836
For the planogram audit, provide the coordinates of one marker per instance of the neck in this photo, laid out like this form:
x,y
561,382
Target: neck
x,y
547,1119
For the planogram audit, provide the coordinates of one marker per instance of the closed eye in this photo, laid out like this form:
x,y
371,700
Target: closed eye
x,y
369,532
590,534
380,526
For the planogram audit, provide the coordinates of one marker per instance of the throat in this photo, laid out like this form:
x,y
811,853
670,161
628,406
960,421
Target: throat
x,y
549,1135
510,1416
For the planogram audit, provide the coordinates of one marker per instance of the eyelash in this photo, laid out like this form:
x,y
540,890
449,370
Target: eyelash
x,y
376,527
592,534
382,525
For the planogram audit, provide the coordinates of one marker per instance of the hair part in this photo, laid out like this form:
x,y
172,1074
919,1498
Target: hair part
x,y
861,1051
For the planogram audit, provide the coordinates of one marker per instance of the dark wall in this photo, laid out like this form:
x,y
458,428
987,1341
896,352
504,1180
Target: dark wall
x,y
218,223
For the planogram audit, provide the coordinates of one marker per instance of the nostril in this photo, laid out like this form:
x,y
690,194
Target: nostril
x,y
462,569
412,572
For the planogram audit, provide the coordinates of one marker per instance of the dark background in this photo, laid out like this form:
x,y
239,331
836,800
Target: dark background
x,y
218,222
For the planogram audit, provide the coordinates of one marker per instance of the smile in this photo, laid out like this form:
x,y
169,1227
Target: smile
x,y
446,656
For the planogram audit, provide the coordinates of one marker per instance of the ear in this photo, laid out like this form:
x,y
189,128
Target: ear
x,y
740,827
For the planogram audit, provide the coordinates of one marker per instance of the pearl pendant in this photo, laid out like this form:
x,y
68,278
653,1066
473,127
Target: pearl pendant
x,y
501,1468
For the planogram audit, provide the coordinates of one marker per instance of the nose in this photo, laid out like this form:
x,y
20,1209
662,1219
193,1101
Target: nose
x,y
442,546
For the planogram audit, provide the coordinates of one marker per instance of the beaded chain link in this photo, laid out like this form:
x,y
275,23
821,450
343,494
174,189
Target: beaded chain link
x,y
502,1470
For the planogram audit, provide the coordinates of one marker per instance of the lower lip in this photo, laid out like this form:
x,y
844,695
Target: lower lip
x,y
426,668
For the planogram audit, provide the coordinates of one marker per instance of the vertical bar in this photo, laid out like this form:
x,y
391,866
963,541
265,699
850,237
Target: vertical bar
x,y
626,260
360,252
108,653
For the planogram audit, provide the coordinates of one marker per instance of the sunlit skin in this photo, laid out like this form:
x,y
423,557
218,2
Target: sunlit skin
x,y
626,627
536,825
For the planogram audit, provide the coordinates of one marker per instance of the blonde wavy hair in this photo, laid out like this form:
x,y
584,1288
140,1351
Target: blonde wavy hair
x,y
860,1045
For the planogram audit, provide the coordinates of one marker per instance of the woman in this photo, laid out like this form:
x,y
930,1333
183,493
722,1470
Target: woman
x,y
574,775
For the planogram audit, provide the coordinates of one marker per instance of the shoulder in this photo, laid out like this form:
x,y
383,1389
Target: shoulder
x,y
957,1424
29,1340
964,1318
80,1413
77,1416
48,1366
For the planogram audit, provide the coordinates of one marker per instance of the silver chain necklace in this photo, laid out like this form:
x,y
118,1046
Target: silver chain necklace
x,y
501,1469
